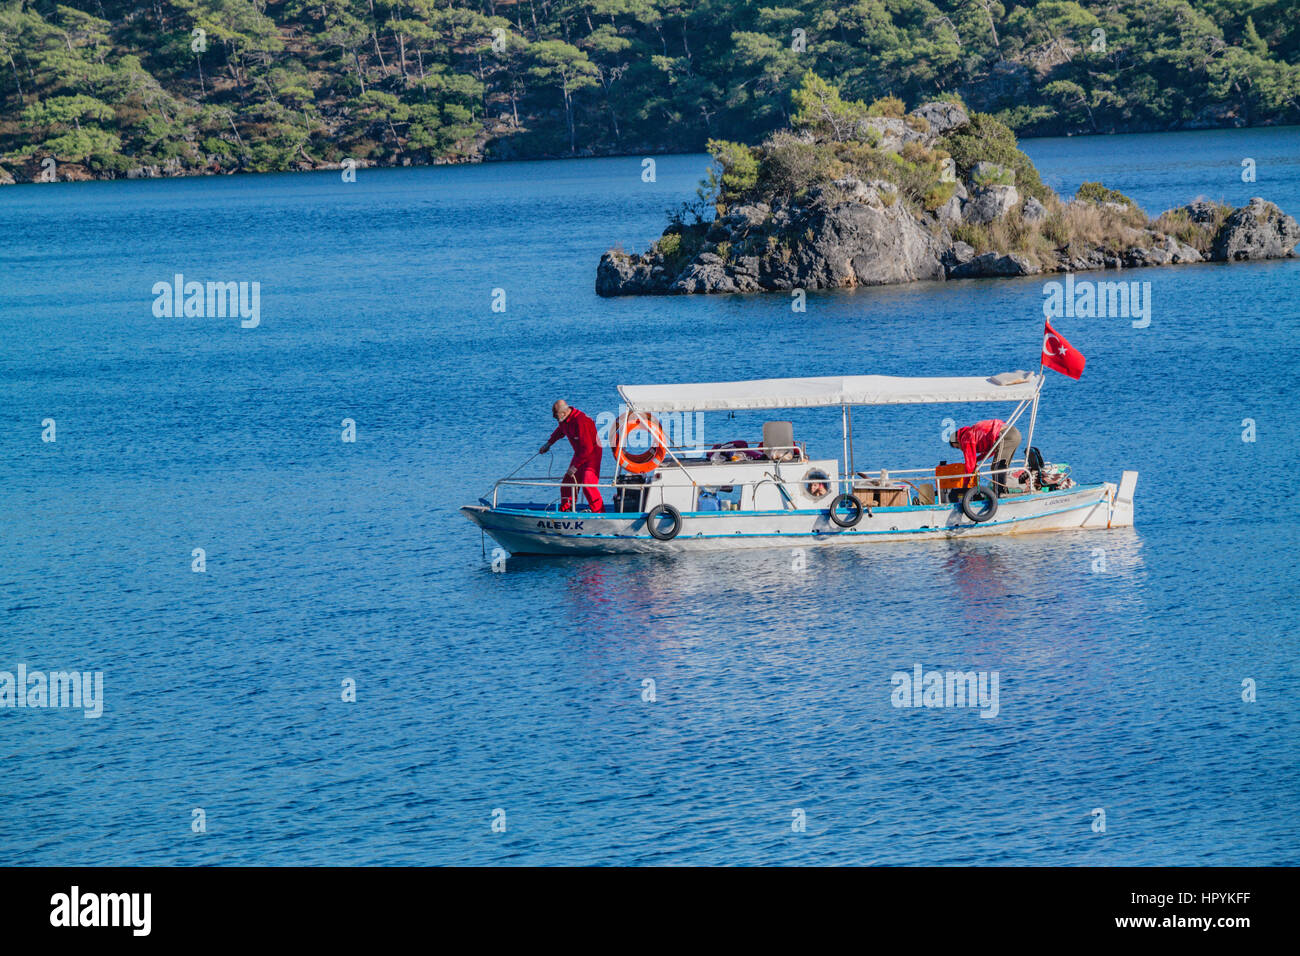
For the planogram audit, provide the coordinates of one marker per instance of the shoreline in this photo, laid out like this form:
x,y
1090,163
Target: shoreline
x,y
83,176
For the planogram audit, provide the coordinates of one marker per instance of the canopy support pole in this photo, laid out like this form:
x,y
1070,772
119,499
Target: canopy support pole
x,y
1015,417
667,448
844,424
1033,416
852,463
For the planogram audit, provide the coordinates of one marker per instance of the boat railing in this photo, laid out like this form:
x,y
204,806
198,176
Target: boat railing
x,y
845,483
705,453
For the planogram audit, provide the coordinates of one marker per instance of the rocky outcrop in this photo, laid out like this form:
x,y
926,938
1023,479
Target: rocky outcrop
x,y
1162,252
1258,230
1033,210
957,254
709,273
850,232
991,264
949,214
863,241
889,134
988,203
621,274
856,245
1201,211
870,240
941,116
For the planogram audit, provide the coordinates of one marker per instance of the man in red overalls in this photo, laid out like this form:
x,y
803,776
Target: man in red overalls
x,y
585,468
977,440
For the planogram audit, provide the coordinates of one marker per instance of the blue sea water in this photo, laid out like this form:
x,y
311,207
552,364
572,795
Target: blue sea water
x,y
1121,655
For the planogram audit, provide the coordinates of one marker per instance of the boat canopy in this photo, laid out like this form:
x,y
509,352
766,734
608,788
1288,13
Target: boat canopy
x,y
824,391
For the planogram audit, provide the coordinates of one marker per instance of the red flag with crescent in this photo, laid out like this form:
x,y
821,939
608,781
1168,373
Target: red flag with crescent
x,y
1059,355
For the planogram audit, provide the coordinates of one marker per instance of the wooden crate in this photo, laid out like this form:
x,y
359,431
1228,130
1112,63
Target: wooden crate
x,y
892,497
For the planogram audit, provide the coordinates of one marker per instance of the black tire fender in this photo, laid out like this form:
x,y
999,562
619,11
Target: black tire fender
x,y
846,501
974,493
662,510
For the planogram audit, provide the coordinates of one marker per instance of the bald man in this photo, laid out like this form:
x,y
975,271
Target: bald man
x,y
584,469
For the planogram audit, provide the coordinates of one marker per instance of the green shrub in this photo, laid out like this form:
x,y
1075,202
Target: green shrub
x,y
680,244
734,171
984,138
1001,176
220,148
937,195
916,152
915,170
890,106
977,236
669,245
1177,223
1097,193
1055,229
789,166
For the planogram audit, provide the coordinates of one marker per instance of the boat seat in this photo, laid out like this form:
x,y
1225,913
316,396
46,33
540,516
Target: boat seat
x,y
778,435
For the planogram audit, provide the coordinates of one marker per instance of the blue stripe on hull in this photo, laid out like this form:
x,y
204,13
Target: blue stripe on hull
x,y
636,515
853,532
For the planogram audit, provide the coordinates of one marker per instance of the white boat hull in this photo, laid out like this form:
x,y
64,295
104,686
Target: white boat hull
x,y
528,531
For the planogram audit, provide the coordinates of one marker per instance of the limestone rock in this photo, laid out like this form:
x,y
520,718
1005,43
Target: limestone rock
x,y
950,212
942,116
1258,230
856,245
751,214
893,133
621,274
959,253
988,203
994,264
1033,210
708,273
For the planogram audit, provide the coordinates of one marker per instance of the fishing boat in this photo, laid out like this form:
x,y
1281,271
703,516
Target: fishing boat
x,y
777,493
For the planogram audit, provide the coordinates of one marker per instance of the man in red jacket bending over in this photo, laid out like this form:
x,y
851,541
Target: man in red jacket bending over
x,y
585,468
976,440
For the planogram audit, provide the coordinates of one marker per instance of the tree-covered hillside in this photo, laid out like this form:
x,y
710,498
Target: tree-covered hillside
x,y
111,87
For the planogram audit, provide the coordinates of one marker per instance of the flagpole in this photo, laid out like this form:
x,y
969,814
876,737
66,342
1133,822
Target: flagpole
x,y
1033,415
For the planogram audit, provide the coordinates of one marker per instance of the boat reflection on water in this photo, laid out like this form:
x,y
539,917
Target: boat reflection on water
x,y
985,596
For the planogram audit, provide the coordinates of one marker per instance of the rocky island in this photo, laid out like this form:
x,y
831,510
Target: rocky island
x,y
856,195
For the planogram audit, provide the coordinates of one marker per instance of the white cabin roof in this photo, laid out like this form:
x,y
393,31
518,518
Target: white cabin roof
x,y
822,391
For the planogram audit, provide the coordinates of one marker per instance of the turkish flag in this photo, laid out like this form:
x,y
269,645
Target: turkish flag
x,y
1059,355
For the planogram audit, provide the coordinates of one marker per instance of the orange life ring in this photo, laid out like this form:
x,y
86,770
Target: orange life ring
x,y
641,462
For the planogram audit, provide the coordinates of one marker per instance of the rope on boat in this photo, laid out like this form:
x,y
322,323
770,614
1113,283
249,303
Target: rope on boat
x,y
550,459
521,467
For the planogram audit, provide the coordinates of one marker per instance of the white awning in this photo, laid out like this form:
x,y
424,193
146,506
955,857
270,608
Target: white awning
x,y
821,392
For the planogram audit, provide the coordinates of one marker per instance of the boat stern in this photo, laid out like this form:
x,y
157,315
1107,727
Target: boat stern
x,y
1121,508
